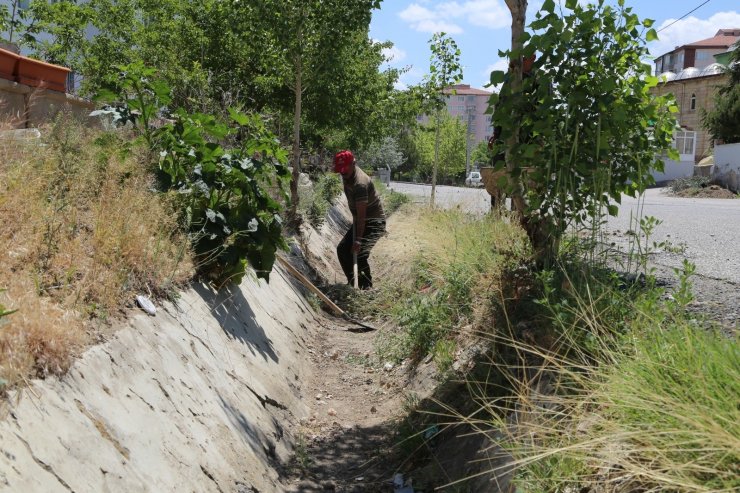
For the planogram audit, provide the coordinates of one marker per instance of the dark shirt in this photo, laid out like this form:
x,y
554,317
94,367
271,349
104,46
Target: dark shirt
x,y
360,188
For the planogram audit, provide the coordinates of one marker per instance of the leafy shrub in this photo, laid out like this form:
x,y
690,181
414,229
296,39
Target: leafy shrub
x,y
223,192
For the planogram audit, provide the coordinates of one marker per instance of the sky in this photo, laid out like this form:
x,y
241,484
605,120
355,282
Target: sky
x,y
483,27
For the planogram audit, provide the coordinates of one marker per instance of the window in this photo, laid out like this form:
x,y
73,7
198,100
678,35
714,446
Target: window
x,y
693,101
461,98
684,141
471,98
460,108
702,55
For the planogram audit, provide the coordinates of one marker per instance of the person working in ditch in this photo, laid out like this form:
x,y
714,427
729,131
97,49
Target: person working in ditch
x,y
368,220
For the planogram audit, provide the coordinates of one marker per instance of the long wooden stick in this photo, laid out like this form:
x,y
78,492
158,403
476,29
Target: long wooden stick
x,y
304,280
298,275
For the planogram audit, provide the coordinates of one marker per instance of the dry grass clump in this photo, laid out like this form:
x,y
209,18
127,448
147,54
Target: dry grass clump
x,y
634,396
436,271
83,232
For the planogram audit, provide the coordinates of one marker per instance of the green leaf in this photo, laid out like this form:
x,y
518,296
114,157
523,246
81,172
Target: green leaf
x,y
105,96
651,35
497,77
613,209
548,6
238,117
571,4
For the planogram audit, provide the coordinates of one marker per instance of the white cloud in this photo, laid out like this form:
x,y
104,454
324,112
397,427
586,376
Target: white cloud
x,y
500,64
443,16
393,54
691,29
486,13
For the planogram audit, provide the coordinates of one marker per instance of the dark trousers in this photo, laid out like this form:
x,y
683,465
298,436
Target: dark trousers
x,y
374,229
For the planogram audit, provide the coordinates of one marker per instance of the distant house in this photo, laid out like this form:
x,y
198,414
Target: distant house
x,y
699,54
469,105
692,74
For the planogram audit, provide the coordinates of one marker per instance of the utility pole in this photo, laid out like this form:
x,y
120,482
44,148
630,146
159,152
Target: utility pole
x,y
470,113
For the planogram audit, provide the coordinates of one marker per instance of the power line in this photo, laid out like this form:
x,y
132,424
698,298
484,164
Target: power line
x,y
684,16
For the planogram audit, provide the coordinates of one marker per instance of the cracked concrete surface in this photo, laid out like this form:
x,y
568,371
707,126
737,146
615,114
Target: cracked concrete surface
x,y
197,398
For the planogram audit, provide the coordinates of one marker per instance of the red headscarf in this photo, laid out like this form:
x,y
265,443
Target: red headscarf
x,y
342,161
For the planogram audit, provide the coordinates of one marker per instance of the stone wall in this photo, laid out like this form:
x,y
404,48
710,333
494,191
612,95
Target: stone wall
x,y
704,88
22,106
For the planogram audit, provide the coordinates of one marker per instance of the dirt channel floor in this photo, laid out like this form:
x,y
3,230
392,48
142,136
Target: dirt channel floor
x,y
349,442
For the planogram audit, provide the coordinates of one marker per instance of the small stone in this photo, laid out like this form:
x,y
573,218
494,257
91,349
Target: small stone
x,y
335,354
329,396
373,410
388,366
319,397
331,412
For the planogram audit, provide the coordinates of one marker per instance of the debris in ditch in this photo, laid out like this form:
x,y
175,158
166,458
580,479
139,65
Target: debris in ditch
x,y
146,305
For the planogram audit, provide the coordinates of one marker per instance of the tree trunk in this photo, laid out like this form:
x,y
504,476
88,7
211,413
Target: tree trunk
x,y
543,244
518,9
436,158
296,140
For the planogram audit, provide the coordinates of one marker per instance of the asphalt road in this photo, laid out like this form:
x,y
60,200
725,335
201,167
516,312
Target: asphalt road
x,y
704,231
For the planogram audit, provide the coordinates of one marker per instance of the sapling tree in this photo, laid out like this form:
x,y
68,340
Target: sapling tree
x,y
303,41
582,128
444,71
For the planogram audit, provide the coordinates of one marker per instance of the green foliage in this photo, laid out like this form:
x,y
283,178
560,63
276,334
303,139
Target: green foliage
x,y
447,135
315,205
4,312
391,199
587,128
453,269
224,192
482,155
444,70
382,154
723,122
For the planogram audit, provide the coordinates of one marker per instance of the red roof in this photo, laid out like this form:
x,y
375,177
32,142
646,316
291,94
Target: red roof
x,y
723,39
465,89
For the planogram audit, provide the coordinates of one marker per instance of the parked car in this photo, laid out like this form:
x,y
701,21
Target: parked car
x,y
474,179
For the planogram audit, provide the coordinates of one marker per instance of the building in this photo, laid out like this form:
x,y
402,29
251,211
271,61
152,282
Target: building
x,y
699,54
694,91
468,105
692,74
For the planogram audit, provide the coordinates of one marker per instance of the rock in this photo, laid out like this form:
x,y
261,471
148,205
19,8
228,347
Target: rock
x,y
319,397
388,366
373,410
331,412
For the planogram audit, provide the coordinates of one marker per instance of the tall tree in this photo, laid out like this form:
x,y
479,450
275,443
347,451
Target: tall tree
x,y
723,122
444,71
304,39
582,129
